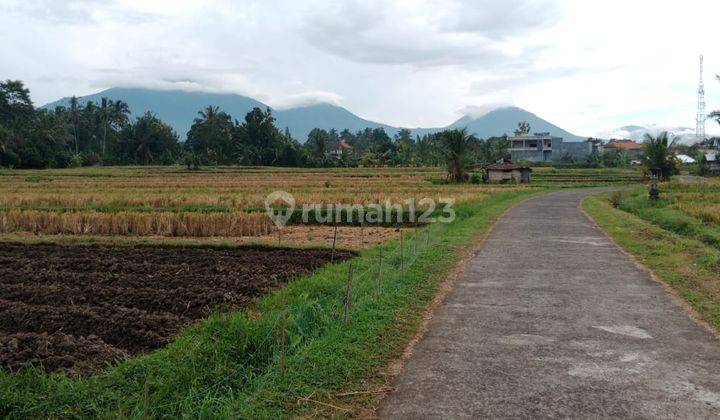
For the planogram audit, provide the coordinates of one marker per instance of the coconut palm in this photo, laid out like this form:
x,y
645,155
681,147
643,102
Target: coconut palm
x,y
75,118
658,157
457,144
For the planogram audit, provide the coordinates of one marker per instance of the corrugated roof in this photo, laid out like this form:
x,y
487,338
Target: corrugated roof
x,y
623,144
507,166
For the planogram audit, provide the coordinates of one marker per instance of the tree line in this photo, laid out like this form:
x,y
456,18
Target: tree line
x,y
104,134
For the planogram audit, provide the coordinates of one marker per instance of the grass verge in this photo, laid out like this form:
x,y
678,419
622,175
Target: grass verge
x,y
230,365
689,266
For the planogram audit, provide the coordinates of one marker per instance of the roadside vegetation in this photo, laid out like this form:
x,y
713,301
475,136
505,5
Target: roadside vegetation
x,y
677,237
686,209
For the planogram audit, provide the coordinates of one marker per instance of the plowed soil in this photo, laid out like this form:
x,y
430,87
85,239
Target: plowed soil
x,y
78,308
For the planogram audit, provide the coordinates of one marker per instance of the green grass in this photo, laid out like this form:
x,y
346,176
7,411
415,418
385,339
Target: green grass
x,y
688,265
228,365
660,213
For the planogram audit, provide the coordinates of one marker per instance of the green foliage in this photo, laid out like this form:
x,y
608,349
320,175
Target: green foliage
x,y
457,145
616,198
146,140
702,168
658,157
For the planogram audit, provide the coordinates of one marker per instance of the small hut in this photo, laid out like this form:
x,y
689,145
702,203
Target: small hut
x,y
507,173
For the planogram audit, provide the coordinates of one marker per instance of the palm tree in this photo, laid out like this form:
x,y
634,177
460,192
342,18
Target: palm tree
x,y
75,116
658,157
105,116
119,112
457,145
209,113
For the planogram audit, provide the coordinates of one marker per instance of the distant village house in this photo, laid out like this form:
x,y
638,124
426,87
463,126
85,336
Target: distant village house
x,y
542,147
339,148
631,147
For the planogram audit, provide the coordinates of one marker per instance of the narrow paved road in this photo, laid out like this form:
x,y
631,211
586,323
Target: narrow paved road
x,y
552,320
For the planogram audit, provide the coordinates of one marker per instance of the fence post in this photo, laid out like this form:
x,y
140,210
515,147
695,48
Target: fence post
x,y
347,297
332,256
283,322
379,273
402,254
146,400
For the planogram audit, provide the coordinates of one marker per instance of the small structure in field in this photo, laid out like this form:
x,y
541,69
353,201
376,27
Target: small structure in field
x,y
507,172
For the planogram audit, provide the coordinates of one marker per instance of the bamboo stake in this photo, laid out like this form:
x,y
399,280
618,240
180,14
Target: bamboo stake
x,y
379,273
146,401
283,322
402,254
346,299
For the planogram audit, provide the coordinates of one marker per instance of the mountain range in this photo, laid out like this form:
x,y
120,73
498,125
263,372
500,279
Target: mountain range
x,y
179,108
637,132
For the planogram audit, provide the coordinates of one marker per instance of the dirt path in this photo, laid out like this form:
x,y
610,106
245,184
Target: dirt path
x,y
552,320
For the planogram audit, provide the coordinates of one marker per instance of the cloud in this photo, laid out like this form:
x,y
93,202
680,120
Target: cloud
x,y
429,33
74,12
501,19
306,99
405,62
637,132
477,111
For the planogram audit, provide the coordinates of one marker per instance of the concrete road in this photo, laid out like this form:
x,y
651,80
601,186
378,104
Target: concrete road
x,y
552,320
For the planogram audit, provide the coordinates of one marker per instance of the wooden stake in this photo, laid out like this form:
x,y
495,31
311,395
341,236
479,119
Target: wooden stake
x,y
379,272
427,237
283,323
332,257
146,401
347,298
402,253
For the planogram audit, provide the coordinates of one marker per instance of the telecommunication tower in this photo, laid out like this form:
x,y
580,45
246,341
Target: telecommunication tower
x,y
700,123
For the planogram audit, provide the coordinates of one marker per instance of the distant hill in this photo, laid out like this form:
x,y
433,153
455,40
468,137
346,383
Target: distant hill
x,y
637,132
179,108
504,121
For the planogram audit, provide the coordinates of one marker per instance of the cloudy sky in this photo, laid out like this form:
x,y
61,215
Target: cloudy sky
x,y
587,66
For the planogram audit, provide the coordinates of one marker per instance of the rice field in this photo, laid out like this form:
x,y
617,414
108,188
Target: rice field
x,y
223,202
228,202
690,209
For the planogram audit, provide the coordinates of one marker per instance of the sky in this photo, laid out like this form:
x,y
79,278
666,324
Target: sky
x,y
586,66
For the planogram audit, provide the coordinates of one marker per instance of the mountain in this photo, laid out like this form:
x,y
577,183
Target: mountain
x,y
179,108
302,120
637,132
505,120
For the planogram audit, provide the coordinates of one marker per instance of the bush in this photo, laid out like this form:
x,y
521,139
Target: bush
x,y
76,161
616,198
91,159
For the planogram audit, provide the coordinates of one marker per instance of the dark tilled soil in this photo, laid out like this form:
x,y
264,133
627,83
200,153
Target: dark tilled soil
x,y
78,308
